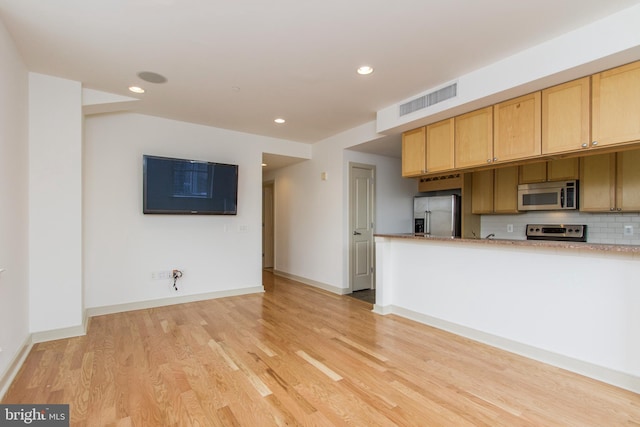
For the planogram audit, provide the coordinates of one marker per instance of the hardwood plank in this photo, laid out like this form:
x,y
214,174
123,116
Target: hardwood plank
x,y
297,355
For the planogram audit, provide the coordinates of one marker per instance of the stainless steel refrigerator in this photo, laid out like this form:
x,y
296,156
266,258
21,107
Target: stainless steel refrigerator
x,y
437,216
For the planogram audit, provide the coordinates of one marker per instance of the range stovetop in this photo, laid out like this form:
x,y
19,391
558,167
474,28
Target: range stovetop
x,y
558,232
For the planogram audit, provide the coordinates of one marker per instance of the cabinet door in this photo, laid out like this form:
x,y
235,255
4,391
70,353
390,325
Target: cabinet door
x,y
414,152
474,138
517,128
616,105
440,146
505,199
533,172
565,116
628,181
597,183
563,169
482,192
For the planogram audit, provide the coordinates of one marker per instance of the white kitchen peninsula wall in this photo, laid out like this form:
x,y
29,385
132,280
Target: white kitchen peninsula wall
x,y
575,306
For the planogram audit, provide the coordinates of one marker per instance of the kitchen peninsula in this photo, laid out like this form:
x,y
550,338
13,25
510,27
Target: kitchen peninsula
x,y
572,305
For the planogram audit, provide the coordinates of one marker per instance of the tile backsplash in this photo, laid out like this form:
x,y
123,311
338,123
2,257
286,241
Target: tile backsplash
x,y
601,228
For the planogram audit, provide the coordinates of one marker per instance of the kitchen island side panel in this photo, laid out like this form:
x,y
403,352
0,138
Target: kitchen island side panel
x,y
580,305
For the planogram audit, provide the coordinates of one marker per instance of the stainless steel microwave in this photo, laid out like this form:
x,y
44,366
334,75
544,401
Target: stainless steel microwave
x,y
548,196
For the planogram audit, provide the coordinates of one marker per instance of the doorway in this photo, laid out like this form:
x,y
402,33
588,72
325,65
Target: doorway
x,y
267,225
361,226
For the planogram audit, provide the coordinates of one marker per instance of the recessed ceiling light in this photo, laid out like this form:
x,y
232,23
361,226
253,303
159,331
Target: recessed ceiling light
x,y
279,120
365,69
136,89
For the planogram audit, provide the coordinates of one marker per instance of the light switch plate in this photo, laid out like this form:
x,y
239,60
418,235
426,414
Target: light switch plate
x,y
628,230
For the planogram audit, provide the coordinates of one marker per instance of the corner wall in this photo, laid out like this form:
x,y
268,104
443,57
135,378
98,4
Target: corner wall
x,y
55,204
14,167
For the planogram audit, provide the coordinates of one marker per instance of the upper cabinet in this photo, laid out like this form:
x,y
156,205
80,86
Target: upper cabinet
x,y
414,153
495,191
565,117
553,170
610,182
594,112
428,149
474,138
517,128
616,106
440,138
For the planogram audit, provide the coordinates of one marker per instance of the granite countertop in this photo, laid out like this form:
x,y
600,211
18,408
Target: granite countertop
x,y
629,249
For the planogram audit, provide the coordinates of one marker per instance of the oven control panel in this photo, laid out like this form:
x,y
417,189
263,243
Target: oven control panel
x,y
562,232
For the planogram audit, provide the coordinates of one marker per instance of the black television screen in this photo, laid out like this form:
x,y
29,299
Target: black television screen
x,y
179,186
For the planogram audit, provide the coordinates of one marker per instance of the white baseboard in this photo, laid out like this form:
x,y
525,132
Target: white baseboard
x,y
141,305
314,283
8,376
597,372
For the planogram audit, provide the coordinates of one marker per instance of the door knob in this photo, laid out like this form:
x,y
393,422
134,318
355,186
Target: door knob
x,y
355,233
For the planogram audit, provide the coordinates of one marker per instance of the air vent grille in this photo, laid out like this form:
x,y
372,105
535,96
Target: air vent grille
x,y
429,99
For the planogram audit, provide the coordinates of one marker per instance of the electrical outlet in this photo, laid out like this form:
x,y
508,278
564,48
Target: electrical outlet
x,y
509,228
161,275
243,228
628,230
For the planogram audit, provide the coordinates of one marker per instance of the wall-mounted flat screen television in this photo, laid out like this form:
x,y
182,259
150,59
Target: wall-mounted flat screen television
x,y
180,186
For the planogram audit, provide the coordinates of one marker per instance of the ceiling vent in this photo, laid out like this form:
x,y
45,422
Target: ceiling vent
x,y
429,99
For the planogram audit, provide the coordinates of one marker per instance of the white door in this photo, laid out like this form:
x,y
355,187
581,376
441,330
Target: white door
x,y
267,225
361,194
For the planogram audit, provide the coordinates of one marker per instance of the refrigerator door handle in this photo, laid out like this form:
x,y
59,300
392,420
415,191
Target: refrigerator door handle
x,y
454,214
427,221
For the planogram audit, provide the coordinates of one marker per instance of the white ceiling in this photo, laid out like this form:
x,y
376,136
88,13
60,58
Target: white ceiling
x,y
240,64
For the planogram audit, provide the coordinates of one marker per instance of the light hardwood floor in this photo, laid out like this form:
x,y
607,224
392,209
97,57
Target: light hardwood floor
x,y
296,355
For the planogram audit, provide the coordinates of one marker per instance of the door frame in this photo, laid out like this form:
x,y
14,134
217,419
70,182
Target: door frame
x,y
372,211
270,184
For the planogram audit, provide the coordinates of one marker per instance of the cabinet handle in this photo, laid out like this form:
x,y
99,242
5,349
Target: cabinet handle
x,y
612,209
619,209
495,159
488,160
594,143
585,145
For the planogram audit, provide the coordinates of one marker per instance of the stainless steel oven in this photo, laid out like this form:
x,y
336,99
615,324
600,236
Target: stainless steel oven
x,y
558,232
548,196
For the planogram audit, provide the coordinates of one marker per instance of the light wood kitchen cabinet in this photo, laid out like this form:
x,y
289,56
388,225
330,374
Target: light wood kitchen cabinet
x,y
482,192
474,138
414,152
628,181
533,172
517,128
616,106
566,117
563,169
495,191
440,143
597,183
610,182
552,170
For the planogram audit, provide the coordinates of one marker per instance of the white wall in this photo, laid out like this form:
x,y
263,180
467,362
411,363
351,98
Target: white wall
x,y
55,203
606,43
123,247
14,167
311,215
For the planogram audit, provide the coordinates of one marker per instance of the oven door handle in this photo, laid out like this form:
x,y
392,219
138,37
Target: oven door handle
x,y
562,198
